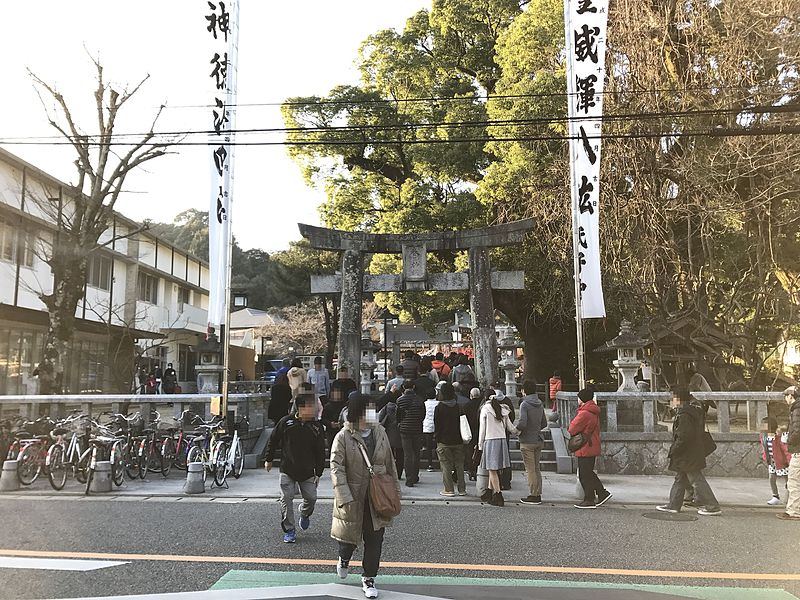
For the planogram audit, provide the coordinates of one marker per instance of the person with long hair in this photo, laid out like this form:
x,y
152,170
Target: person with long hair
x,y
494,423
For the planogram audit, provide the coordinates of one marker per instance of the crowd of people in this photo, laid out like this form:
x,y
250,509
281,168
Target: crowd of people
x,y
435,405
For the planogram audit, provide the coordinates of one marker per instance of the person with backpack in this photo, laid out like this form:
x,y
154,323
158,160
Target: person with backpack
x,y
587,424
775,455
302,443
462,371
493,444
449,444
531,441
687,457
442,368
793,444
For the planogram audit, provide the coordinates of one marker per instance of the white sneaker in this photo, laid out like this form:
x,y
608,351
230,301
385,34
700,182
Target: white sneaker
x,y
774,501
368,585
342,568
667,509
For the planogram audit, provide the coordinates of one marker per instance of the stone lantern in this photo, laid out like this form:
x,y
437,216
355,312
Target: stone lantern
x,y
508,348
369,349
626,344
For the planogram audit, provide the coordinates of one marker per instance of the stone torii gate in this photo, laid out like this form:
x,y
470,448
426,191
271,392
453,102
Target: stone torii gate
x,y
480,280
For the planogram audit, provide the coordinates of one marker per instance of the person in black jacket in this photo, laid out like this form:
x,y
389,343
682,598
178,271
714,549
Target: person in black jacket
x,y
449,445
280,397
410,414
793,445
687,458
387,416
302,444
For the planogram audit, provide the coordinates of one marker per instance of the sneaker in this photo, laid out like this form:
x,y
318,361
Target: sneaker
x,y
462,493
709,512
304,522
667,509
788,517
429,469
585,504
446,493
368,585
342,568
290,537
531,500
603,497
774,501
691,504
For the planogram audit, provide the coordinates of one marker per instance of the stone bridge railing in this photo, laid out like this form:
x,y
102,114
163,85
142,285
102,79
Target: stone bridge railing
x,y
637,411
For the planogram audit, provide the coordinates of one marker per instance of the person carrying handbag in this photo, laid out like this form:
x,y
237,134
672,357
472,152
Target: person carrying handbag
x,y
354,517
587,423
450,444
687,457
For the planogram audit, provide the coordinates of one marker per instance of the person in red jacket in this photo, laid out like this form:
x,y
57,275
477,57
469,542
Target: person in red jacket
x,y
775,455
587,422
554,385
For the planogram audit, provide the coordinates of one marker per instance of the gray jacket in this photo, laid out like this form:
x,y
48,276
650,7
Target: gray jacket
x,y
531,420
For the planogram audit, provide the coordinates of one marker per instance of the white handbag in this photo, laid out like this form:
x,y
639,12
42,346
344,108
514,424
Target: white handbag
x,y
466,432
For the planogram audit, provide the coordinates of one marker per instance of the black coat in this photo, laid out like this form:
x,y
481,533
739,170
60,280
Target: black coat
x,y
388,418
687,453
280,398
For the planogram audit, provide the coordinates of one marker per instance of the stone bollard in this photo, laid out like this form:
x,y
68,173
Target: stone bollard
x,y
194,479
482,481
101,480
9,482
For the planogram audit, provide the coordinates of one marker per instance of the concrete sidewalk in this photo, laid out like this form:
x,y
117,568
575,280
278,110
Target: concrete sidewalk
x,y
557,489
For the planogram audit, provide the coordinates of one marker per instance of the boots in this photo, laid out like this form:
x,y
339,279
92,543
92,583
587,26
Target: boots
x,y
486,496
497,499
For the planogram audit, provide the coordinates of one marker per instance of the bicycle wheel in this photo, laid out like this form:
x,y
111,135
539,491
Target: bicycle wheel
x,y
181,454
131,460
238,459
90,470
28,466
117,463
142,458
220,463
82,466
196,455
167,455
56,468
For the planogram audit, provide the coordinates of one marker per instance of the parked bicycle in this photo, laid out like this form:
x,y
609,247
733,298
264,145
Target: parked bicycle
x,y
230,454
204,445
62,457
32,449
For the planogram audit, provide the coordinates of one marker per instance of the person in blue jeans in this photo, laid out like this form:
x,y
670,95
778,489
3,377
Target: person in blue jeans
x,y
301,440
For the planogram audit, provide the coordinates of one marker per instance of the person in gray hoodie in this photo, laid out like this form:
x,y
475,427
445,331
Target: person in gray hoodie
x,y
531,440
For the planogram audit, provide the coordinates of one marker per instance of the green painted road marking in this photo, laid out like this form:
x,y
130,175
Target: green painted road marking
x,y
241,579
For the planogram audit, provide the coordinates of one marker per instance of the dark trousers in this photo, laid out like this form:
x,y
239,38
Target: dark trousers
x,y
398,460
429,449
373,543
412,444
469,449
590,482
687,480
505,474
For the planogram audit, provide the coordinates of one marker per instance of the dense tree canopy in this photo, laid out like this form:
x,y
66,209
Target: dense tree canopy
x,y
700,167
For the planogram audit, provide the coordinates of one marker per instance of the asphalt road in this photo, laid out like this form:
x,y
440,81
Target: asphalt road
x,y
748,541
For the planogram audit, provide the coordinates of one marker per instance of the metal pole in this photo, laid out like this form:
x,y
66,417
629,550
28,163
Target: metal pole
x,y
574,202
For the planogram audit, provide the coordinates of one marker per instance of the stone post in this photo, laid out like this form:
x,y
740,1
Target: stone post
x,y
510,365
350,310
481,306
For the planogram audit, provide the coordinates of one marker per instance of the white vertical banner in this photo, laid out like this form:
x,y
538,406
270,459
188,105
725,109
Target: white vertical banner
x,y
222,25
585,25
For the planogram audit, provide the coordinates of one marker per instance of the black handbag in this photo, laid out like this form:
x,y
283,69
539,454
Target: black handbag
x,y
476,458
577,441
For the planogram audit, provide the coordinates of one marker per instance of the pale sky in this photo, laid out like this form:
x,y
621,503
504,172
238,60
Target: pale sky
x,y
286,48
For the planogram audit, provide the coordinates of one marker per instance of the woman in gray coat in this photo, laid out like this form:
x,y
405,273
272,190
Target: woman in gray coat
x,y
353,517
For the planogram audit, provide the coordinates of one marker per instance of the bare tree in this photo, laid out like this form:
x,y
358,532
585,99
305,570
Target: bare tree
x,y
81,223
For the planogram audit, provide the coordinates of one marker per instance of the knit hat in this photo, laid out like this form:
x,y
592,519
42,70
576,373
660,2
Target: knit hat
x,y
586,394
790,391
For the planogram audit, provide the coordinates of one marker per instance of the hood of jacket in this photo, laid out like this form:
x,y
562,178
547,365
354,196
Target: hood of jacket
x,y
295,371
504,408
591,407
531,400
451,403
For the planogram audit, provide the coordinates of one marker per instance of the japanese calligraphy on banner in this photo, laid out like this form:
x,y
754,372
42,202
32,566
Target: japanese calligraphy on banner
x,y
585,22
222,26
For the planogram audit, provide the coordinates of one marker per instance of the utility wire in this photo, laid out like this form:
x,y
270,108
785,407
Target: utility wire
x,y
606,118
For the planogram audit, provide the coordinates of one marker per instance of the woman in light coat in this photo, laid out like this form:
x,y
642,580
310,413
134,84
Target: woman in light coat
x,y
492,441
353,517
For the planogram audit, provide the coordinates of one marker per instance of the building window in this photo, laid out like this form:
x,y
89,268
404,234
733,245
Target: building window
x,y
148,288
9,241
98,273
184,295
